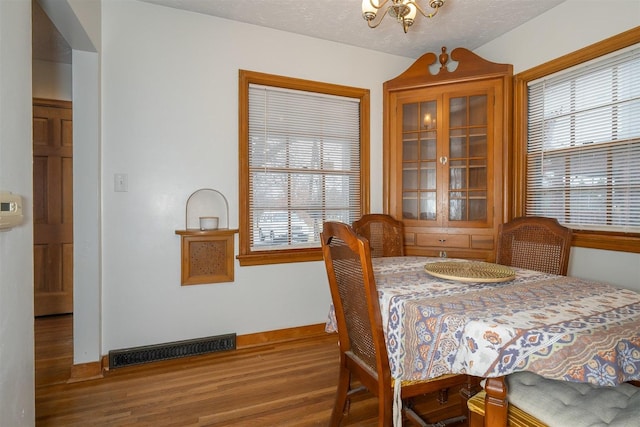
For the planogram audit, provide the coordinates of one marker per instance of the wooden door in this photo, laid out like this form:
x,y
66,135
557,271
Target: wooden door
x,y
52,207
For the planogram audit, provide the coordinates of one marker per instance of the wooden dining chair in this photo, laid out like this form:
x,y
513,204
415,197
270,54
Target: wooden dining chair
x,y
363,351
384,233
535,243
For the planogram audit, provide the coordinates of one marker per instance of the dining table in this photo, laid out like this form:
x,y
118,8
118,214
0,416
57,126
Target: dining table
x,y
560,327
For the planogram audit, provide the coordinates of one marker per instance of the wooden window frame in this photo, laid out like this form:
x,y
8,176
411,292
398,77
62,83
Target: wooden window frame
x,y
246,256
616,241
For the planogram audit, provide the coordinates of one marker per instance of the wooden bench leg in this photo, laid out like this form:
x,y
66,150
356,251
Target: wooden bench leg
x,y
495,402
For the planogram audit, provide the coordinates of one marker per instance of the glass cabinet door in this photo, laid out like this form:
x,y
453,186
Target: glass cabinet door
x,y
450,176
419,160
467,158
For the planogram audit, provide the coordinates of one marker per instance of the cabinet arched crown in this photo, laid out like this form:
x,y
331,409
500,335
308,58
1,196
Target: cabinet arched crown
x,y
446,153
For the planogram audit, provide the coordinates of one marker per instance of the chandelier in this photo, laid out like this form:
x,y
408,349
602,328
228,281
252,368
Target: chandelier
x,y
403,10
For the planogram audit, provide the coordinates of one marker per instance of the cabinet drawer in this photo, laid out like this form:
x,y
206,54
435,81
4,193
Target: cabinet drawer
x,y
444,240
482,242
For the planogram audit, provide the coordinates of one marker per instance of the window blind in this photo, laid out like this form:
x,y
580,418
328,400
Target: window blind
x,y
304,165
583,149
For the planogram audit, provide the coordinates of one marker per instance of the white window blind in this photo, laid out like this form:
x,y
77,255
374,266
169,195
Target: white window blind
x,y
304,165
583,150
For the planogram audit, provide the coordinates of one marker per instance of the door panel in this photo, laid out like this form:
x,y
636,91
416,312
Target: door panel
x,y
53,207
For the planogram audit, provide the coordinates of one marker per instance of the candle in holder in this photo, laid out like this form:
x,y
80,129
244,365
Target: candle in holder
x,y
208,223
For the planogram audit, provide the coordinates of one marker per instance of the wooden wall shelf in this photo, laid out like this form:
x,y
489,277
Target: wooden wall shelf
x,y
207,256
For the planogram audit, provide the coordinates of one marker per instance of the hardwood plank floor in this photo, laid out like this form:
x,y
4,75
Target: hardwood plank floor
x,y
53,349
284,384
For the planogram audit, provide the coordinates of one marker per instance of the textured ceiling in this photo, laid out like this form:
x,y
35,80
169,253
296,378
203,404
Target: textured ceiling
x,y
465,23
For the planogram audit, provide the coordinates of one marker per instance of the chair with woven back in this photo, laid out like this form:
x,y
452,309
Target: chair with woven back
x,y
363,351
384,233
534,243
542,244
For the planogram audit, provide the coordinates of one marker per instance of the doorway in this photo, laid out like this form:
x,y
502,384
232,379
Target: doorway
x,y
63,73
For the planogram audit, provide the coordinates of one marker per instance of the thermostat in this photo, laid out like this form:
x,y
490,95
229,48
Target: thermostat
x,y
10,210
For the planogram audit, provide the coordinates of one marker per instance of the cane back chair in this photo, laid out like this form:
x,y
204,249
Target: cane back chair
x,y
384,233
535,243
363,352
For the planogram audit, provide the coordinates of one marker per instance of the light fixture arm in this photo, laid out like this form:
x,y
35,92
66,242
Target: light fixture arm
x,y
403,10
370,14
434,4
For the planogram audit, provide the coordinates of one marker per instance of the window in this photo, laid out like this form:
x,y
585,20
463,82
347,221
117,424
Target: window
x,y
303,161
583,151
581,148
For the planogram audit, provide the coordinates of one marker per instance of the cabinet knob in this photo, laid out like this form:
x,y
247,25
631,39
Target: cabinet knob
x,y
443,160
442,240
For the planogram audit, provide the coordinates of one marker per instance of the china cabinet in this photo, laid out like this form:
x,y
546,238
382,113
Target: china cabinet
x,y
446,153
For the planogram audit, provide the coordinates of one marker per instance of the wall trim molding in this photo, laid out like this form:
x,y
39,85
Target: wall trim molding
x,y
86,371
280,335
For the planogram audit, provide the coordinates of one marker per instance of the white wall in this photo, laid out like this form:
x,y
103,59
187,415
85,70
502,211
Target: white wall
x,y
170,120
51,80
87,230
568,27
16,245
621,269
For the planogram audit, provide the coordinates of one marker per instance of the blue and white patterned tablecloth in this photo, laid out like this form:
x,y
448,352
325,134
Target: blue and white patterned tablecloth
x,y
559,327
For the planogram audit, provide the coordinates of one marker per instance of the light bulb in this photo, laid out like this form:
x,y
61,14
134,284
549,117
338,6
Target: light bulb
x,y
369,9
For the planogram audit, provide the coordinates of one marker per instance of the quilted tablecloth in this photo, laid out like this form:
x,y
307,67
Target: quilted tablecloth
x,y
556,326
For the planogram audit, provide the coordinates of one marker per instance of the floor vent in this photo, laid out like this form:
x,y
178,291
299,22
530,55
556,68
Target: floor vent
x,y
174,350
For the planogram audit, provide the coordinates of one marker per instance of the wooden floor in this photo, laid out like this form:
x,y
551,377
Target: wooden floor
x,y
287,384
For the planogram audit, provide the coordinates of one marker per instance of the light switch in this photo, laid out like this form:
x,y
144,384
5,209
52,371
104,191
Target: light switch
x,y
120,182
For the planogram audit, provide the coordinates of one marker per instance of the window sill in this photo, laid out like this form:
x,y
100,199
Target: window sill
x,y
280,257
622,242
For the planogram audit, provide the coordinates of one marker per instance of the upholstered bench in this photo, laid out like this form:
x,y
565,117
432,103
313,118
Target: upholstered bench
x,y
537,401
